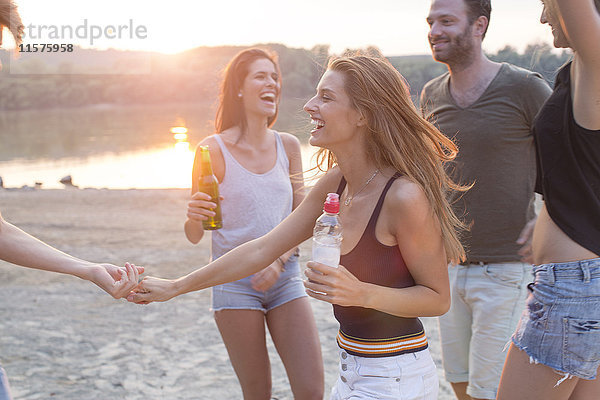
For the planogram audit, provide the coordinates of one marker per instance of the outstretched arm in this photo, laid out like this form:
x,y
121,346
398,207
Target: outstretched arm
x,y
200,206
248,258
20,248
580,21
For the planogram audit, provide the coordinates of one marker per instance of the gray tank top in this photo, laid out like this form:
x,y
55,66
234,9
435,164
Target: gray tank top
x,y
253,203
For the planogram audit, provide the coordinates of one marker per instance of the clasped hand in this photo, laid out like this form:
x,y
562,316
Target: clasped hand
x,y
152,289
116,281
333,285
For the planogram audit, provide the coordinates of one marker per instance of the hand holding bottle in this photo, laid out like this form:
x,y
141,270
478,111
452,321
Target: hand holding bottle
x,y
327,238
209,185
201,206
335,285
204,205
327,234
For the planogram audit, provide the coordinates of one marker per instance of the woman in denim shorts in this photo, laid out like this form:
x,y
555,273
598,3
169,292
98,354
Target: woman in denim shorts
x,y
260,181
555,352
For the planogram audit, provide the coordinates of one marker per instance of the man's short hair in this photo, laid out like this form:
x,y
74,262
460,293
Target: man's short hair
x,y
478,8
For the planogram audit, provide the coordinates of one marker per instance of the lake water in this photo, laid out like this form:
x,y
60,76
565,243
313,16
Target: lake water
x,y
114,147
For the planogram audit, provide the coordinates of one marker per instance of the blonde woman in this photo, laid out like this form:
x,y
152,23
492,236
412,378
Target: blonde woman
x,y
386,162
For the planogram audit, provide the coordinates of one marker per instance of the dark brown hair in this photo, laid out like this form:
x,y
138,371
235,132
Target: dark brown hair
x,y
479,8
230,111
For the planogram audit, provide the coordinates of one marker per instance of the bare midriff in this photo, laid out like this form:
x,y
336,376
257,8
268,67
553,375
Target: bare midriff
x,y
552,245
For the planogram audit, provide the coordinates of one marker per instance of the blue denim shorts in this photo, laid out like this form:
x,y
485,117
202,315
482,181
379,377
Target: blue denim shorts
x,y
240,295
560,326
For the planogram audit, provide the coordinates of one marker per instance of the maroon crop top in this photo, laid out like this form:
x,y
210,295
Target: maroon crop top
x,y
367,332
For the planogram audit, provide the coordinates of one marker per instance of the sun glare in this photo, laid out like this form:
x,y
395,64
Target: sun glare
x,y
176,130
182,147
180,136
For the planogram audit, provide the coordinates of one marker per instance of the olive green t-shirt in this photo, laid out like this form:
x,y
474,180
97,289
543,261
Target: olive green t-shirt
x,y
496,153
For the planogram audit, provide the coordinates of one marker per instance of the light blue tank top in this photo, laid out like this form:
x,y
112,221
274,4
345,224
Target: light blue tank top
x,y
253,204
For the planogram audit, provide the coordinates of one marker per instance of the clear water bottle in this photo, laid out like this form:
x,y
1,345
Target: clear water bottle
x,y
327,235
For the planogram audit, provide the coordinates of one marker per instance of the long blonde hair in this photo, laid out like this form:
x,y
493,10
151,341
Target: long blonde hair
x,y
399,137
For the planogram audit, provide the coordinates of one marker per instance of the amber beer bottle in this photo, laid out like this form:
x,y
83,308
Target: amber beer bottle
x,y
208,184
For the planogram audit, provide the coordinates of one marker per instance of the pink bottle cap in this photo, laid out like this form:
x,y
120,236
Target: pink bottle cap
x,y
332,204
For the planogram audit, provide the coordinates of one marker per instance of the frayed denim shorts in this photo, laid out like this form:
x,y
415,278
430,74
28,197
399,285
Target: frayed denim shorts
x,y
240,295
560,326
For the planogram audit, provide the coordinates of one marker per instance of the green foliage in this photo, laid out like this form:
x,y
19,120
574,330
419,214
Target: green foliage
x,y
92,77
417,70
537,57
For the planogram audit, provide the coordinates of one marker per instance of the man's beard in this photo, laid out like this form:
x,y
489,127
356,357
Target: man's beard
x,y
460,50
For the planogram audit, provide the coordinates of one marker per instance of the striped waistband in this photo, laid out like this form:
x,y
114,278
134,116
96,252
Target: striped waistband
x,y
382,347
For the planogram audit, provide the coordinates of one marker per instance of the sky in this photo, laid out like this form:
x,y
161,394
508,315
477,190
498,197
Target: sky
x,y
397,27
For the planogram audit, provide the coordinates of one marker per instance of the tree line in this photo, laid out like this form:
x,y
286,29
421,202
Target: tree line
x,y
91,77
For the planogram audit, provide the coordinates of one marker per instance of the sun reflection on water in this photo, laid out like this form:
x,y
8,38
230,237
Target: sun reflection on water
x,y
169,166
182,147
179,130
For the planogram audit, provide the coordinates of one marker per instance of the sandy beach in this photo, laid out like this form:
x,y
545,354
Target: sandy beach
x,y
63,338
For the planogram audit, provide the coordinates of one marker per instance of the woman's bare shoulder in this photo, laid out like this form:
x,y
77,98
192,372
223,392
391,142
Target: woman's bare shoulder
x,y
407,198
290,142
288,138
209,141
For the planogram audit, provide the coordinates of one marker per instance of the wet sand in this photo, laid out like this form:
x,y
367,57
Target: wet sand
x,y
63,338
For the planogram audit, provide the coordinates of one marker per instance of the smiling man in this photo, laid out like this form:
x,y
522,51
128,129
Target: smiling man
x,y
488,109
